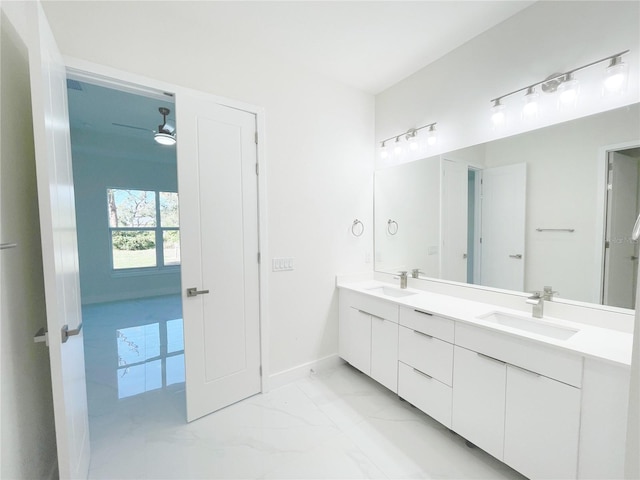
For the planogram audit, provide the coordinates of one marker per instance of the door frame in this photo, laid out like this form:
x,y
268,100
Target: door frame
x,y
601,211
137,84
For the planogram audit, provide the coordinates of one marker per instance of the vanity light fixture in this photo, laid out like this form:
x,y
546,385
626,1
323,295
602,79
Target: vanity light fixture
x,y
397,147
615,76
432,136
567,86
412,139
411,136
568,91
530,107
497,113
384,151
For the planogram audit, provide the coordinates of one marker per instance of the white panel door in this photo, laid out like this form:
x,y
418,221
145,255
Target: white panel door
x,y
621,264
455,187
59,246
503,227
217,182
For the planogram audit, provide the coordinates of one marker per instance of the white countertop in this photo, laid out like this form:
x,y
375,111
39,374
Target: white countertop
x,y
596,342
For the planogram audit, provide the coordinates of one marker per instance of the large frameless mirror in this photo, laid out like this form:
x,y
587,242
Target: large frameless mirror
x,y
553,206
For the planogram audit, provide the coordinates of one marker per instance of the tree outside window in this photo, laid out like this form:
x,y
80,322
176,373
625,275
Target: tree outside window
x,y
144,228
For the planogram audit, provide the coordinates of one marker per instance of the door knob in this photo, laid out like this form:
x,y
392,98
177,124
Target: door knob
x,y
194,292
66,333
517,255
41,336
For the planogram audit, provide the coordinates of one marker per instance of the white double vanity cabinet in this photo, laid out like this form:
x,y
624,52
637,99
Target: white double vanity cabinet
x,y
535,394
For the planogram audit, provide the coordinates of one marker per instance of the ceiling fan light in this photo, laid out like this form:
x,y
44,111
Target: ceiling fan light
x,y
164,138
166,133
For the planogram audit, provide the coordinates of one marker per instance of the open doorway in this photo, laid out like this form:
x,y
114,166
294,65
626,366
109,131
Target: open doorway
x,y
622,209
127,216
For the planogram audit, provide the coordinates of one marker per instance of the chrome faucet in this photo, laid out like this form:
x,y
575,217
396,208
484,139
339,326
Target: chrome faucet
x,y
538,304
403,279
548,293
415,273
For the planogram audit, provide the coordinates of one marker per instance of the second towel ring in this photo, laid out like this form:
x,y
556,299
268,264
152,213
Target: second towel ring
x,y
357,228
392,227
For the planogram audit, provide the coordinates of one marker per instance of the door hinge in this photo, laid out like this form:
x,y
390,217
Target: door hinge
x,y
259,258
606,244
257,168
260,370
480,239
256,137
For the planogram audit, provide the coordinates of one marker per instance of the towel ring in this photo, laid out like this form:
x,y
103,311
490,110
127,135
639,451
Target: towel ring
x,y
392,227
357,228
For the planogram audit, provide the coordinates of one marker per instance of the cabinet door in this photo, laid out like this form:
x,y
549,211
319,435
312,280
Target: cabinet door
x,y
479,400
425,392
428,354
356,344
541,425
384,352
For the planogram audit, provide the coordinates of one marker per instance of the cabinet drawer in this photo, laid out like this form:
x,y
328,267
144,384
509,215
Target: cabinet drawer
x,y
428,323
373,306
426,393
426,353
559,365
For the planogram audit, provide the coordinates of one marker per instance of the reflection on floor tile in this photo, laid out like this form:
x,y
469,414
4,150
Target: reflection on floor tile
x,y
132,347
337,424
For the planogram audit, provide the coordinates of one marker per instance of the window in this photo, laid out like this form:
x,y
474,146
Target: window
x,y
144,229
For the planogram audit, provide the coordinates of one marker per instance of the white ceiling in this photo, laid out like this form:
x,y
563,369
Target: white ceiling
x,y
370,45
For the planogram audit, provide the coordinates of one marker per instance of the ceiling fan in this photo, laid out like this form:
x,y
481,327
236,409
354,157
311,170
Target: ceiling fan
x,y
166,133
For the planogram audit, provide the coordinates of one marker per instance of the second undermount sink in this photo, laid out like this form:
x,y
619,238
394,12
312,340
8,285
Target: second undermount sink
x,y
390,291
530,325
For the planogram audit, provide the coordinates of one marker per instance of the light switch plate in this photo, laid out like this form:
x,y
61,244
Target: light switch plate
x,y
282,264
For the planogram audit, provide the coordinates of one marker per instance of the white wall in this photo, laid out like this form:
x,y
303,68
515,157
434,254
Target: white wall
x,y
547,37
319,149
27,442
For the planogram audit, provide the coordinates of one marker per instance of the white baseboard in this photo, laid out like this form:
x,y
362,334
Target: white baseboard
x,y
301,371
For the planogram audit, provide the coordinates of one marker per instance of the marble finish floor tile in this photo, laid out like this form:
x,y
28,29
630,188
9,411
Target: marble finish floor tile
x,y
336,424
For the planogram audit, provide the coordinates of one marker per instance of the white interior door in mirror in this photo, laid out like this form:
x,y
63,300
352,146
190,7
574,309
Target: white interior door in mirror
x,y
621,264
503,227
455,182
219,235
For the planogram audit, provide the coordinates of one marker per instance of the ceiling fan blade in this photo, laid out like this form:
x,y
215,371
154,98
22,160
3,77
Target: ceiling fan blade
x,y
132,126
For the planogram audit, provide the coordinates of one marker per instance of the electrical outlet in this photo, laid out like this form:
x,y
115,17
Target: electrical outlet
x,y
282,264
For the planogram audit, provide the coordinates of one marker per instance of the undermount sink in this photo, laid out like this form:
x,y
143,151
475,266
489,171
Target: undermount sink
x,y
530,325
390,291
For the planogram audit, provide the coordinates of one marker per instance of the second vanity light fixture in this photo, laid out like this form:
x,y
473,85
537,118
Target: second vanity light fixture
x,y
409,141
567,87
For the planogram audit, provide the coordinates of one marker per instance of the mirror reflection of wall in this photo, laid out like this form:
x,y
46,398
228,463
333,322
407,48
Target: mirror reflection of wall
x,y
563,169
